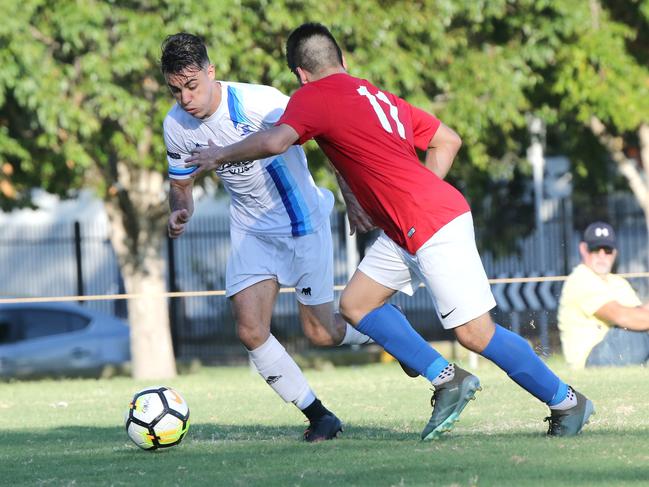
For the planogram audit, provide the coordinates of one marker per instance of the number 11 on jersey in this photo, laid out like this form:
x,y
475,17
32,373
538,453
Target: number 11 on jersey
x,y
394,113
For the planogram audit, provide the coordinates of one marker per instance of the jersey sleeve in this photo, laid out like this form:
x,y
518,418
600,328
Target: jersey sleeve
x,y
424,127
305,113
176,153
268,106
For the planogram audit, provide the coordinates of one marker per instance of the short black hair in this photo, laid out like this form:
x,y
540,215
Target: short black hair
x,y
322,52
181,51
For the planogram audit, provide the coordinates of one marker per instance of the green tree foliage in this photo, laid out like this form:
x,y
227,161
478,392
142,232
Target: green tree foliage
x,y
82,99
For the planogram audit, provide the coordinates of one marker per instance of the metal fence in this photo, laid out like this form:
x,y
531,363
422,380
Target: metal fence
x,y
70,259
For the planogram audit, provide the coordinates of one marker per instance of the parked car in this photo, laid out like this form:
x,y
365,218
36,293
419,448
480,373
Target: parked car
x,y
59,339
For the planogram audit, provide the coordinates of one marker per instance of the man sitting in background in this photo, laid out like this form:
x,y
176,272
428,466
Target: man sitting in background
x,y
601,319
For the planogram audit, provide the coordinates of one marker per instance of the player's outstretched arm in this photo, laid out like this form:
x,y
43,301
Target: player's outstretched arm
x,y
266,143
181,204
442,149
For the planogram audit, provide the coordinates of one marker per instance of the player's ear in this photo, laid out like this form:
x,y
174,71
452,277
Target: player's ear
x,y
302,75
211,72
344,62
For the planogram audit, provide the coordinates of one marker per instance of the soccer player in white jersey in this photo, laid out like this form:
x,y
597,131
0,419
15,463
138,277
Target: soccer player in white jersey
x,y
279,220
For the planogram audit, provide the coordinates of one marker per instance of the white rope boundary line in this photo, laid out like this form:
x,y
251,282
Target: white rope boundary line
x,y
192,294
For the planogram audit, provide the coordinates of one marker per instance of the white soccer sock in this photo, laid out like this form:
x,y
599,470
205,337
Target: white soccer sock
x,y
354,337
444,376
281,373
569,402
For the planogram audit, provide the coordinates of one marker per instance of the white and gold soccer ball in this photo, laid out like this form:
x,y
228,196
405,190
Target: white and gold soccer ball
x,y
157,417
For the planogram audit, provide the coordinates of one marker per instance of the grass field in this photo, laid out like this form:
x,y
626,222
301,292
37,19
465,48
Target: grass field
x,y
70,432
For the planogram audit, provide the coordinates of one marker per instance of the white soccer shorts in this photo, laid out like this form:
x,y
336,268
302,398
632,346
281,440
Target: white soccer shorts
x,y
448,264
305,263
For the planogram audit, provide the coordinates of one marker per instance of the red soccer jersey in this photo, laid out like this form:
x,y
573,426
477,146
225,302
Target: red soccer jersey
x,y
370,136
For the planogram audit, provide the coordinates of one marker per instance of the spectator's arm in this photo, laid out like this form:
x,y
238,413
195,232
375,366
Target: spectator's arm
x,y
629,317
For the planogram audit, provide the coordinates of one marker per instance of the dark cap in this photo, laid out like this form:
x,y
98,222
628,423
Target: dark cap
x,y
599,234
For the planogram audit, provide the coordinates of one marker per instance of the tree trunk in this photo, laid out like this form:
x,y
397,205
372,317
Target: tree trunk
x,y
137,218
151,346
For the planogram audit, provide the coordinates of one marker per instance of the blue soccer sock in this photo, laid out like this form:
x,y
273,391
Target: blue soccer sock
x,y
514,355
389,328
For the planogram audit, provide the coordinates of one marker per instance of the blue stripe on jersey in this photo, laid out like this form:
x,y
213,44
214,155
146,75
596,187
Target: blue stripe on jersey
x,y
182,171
291,197
235,107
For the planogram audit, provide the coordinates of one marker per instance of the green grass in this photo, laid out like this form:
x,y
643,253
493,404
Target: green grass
x,y
70,432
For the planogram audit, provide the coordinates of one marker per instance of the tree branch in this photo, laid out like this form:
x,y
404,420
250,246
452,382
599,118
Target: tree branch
x,y
626,166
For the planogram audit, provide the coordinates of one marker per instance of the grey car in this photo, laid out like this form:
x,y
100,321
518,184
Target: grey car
x,y
59,339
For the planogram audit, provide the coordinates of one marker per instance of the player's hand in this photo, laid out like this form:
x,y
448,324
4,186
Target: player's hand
x,y
177,222
204,158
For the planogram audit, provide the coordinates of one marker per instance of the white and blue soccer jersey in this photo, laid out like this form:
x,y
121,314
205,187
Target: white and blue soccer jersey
x,y
273,196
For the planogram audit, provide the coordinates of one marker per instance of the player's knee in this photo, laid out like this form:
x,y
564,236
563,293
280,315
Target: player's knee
x,y
350,311
465,337
252,336
476,334
346,309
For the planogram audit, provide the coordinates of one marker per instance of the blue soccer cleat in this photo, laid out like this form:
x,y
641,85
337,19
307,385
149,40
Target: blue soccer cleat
x,y
448,401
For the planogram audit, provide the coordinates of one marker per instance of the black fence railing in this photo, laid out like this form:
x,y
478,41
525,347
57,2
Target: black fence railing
x,y
77,258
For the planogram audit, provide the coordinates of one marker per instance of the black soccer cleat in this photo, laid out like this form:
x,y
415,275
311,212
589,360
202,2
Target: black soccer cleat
x,y
326,427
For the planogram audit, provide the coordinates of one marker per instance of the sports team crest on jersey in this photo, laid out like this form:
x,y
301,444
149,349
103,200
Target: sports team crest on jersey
x,y
235,167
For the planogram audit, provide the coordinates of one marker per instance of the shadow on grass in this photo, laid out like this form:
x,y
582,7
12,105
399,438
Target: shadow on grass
x,y
211,432
215,454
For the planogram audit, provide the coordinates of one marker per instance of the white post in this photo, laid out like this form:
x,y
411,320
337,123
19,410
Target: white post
x,y
351,250
535,156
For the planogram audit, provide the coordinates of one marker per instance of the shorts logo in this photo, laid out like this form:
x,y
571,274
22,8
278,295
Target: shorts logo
x,y
271,379
411,232
447,314
173,155
306,291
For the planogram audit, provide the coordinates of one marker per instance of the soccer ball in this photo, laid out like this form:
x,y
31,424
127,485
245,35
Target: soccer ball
x,y
157,417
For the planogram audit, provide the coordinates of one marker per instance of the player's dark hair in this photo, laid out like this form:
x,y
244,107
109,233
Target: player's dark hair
x,y
312,47
181,51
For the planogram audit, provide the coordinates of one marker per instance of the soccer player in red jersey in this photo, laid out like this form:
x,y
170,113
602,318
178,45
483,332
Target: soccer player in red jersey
x,y
371,136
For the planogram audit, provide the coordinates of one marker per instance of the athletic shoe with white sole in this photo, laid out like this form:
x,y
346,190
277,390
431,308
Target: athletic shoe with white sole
x,y
448,401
